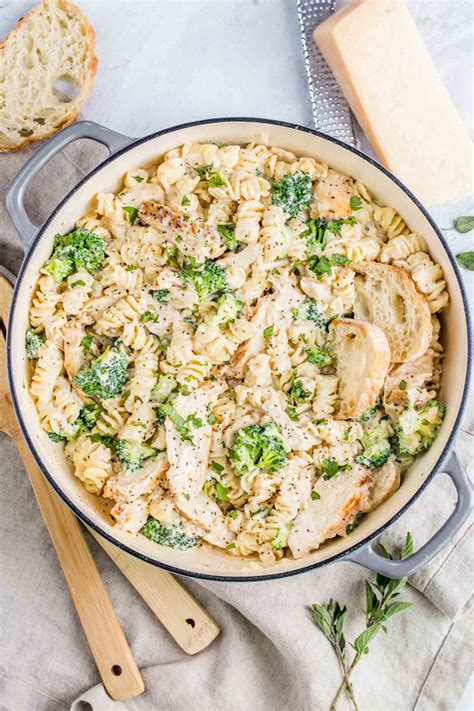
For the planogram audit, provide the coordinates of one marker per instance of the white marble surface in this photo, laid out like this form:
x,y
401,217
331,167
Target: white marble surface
x,y
163,62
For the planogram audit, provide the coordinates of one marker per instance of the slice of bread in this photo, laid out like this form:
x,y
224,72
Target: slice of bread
x,y
47,69
362,358
387,297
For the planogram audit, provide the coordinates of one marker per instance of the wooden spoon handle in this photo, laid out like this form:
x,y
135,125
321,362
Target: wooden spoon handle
x,y
177,610
120,674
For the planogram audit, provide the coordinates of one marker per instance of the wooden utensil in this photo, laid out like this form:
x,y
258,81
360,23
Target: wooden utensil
x,y
177,610
187,622
117,668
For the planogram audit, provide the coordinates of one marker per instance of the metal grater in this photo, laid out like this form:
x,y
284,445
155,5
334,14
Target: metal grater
x,y
331,112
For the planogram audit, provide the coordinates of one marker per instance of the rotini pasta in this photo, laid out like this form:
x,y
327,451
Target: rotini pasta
x,y
180,348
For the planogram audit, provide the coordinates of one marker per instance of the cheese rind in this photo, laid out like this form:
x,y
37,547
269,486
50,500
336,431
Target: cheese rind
x,y
378,57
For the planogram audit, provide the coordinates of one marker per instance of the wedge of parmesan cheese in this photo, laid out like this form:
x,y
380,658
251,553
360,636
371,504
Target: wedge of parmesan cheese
x,y
379,58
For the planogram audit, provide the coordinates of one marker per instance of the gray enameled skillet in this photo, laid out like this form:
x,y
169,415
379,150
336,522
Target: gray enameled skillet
x,y
128,153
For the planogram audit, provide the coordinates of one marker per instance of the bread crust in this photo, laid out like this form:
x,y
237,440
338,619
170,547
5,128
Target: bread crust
x,y
417,301
86,88
377,352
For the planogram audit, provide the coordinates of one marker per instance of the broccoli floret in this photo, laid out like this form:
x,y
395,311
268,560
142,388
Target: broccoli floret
x,y
258,447
86,420
161,295
106,376
131,455
292,193
417,428
208,278
310,311
281,538
376,446
55,437
79,249
227,232
315,233
228,308
368,414
59,267
89,415
33,342
319,356
172,536
163,389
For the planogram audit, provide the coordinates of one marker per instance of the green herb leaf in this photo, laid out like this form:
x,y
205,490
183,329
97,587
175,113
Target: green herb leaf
x,y
138,178
322,618
394,608
464,224
185,201
330,468
268,331
216,180
86,344
79,282
362,641
340,260
466,260
320,266
131,213
221,491
409,546
315,496
233,514
148,316
403,385
211,417
216,467
356,202
227,232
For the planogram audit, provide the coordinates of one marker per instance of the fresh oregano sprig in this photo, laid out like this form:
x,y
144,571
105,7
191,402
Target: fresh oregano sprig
x,y
380,606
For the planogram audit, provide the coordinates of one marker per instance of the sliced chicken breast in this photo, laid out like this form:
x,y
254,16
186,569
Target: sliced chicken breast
x,y
196,239
340,498
189,462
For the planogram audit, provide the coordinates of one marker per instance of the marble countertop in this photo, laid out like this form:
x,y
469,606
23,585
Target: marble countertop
x,y
213,58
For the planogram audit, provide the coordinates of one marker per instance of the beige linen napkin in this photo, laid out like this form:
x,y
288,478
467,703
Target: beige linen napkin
x,y
269,655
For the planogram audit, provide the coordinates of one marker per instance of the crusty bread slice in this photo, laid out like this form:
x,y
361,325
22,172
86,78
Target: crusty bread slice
x,y
362,358
387,297
47,68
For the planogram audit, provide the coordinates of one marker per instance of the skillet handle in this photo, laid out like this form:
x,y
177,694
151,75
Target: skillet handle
x,y
369,558
15,196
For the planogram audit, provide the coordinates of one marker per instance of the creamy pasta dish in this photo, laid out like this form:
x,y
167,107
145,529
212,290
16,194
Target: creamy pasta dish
x,y
240,349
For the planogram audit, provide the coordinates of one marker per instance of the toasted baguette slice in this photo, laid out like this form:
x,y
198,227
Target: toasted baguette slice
x,y
340,499
43,61
362,358
386,296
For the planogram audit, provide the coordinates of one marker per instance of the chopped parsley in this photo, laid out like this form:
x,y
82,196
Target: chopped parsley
x,y
131,213
86,344
356,202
